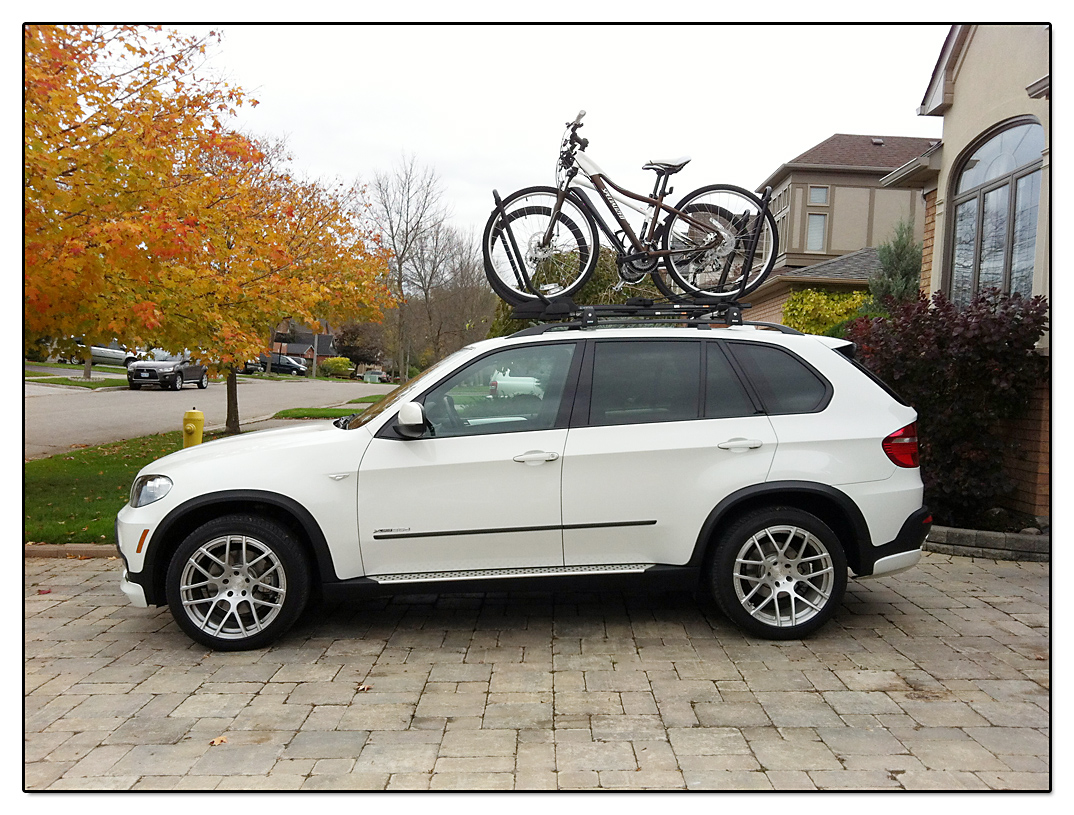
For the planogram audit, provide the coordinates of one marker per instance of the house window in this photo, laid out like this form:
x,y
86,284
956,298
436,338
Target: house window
x,y
818,196
994,220
817,229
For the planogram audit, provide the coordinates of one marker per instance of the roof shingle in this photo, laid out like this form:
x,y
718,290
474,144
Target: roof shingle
x,y
845,150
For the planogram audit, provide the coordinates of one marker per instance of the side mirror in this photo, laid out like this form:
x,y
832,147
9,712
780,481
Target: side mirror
x,y
410,421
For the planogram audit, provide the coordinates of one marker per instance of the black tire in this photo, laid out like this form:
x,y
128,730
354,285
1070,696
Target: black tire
x,y
557,271
778,573
717,274
250,604
134,386
204,381
177,385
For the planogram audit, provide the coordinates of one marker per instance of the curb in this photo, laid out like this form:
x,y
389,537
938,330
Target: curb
x,y
72,550
992,545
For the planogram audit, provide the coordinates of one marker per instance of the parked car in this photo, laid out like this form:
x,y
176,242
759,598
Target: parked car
x,y
114,353
283,364
756,465
253,366
375,377
503,384
166,371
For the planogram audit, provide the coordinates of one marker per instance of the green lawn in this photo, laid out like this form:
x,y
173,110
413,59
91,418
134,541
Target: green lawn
x,y
73,497
327,413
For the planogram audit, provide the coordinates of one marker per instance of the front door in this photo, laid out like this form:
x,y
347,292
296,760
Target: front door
x,y
481,490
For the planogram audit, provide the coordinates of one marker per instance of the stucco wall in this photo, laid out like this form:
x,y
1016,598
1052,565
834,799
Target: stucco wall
x,y
990,79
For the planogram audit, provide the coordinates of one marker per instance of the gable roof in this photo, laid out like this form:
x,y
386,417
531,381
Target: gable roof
x,y
844,152
855,267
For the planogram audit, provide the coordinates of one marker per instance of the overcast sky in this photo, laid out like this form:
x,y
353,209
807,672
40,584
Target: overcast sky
x,y
485,106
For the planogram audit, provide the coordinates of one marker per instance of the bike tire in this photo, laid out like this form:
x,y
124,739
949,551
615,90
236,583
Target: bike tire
x,y
556,271
716,275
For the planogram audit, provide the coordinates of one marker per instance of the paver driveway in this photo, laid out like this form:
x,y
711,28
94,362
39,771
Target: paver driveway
x,y
934,679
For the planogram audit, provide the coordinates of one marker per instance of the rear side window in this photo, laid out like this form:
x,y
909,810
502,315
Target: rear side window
x,y
784,383
638,382
725,397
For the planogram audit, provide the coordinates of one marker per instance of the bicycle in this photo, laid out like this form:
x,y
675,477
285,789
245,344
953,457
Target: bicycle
x,y
540,243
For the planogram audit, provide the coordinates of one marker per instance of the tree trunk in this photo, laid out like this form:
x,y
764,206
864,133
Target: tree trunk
x,y
231,425
87,368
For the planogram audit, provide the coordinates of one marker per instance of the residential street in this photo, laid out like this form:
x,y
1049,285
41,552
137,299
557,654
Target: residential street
x,y
57,417
934,679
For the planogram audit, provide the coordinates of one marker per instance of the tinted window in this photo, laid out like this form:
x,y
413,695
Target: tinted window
x,y
635,382
724,395
512,390
784,383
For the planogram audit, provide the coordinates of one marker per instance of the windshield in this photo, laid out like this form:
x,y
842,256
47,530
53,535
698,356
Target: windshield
x,y
400,394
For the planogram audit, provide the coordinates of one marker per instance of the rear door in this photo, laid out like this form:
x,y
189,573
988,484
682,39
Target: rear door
x,y
662,431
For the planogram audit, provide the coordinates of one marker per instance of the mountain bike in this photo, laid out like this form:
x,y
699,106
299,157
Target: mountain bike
x,y
540,243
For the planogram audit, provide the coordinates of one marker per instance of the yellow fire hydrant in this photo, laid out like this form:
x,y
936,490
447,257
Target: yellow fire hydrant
x,y
193,425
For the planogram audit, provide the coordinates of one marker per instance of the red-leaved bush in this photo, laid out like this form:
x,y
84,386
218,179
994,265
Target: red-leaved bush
x,y
963,369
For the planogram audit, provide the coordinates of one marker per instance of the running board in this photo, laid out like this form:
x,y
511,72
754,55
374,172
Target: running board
x,y
491,574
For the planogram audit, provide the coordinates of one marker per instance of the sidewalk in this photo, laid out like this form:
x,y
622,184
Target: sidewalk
x,y
935,679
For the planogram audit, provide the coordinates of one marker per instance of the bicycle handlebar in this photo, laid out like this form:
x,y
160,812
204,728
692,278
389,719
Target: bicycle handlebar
x,y
578,119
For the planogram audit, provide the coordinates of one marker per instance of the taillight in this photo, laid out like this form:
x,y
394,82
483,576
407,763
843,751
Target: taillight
x,y
493,385
901,446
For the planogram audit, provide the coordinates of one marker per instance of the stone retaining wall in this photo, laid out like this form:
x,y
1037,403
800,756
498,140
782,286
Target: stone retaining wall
x,y
993,545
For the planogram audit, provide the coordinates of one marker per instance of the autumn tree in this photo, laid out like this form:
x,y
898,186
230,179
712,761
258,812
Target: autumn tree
x,y
110,113
150,221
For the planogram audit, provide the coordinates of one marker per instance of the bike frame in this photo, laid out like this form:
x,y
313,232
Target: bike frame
x,y
611,193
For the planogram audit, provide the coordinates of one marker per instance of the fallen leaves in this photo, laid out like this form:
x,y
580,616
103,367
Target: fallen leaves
x,y
218,741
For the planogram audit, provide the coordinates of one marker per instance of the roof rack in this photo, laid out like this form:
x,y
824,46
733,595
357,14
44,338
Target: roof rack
x,y
563,314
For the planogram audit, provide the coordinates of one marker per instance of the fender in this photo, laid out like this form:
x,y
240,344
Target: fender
x,y
178,522
851,526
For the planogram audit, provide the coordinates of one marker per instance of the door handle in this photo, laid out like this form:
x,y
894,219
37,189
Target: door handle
x,y
536,457
740,445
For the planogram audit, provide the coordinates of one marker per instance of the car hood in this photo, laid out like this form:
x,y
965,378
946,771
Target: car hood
x,y
153,364
264,444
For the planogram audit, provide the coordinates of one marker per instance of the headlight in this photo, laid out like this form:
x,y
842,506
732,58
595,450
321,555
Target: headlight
x,y
149,488
168,369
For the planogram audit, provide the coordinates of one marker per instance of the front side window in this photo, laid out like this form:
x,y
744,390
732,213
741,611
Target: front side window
x,y
514,390
994,220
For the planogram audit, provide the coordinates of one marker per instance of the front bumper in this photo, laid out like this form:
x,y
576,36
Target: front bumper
x,y
901,553
135,593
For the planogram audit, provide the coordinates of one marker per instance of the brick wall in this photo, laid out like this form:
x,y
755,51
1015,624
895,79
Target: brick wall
x,y
928,242
1029,462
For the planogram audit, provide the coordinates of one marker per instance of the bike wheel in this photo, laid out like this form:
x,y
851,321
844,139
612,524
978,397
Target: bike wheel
x,y
514,256
708,243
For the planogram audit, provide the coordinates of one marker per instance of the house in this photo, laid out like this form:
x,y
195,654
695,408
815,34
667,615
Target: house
x,y
846,273
986,191
829,202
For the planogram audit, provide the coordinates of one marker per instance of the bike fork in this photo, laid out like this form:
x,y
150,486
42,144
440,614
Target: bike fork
x,y
518,265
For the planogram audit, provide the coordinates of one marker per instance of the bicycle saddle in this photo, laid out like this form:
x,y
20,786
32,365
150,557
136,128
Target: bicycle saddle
x,y
669,166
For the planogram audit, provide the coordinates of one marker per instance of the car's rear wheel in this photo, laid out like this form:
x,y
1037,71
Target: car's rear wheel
x,y
778,573
237,583
204,381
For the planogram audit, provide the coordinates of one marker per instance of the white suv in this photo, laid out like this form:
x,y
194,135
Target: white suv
x,y
756,464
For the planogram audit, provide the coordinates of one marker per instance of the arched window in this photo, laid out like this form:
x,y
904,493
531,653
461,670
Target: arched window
x,y
996,194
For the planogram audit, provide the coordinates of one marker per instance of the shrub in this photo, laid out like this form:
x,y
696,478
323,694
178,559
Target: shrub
x,y
963,370
899,276
336,366
814,311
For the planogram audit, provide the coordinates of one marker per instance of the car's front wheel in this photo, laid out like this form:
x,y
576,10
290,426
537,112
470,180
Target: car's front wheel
x,y
778,573
178,383
237,583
